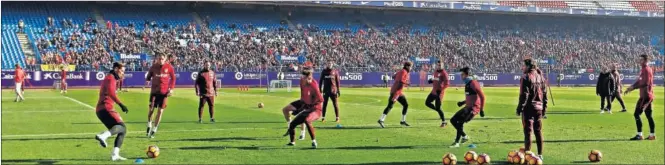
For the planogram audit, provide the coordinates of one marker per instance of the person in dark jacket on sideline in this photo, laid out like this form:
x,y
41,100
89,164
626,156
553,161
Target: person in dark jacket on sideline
x,y
606,88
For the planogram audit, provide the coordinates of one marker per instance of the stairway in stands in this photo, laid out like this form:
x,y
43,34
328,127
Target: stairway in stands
x,y
25,45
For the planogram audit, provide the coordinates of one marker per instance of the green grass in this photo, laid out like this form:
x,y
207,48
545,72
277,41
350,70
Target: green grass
x,y
50,128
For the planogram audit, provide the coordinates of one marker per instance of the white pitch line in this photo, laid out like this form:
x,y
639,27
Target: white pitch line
x,y
12,98
45,111
165,131
79,102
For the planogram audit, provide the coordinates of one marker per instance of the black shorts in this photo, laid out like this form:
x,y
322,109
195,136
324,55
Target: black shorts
x,y
298,104
464,115
157,100
110,118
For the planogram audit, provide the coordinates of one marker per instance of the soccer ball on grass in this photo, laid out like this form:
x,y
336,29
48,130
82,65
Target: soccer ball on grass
x,y
470,157
152,152
515,157
261,105
483,159
449,159
595,156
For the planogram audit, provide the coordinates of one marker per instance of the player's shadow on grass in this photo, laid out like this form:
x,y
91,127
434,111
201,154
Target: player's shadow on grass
x,y
581,162
224,139
354,127
400,163
375,148
255,122
570,112
53,138
568,141
43,161
221,148
136,122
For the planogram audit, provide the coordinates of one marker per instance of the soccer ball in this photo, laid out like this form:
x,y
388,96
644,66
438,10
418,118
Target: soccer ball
x,y
515,157
535,161
152,152
483,159
260,105
470,157
595,156
522,150
528,155
449,159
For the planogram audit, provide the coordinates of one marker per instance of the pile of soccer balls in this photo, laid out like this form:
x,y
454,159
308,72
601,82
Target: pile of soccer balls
x,y
514,157
469,157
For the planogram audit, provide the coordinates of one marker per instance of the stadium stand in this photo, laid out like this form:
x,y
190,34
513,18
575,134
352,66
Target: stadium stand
x,y
550,4
514,3
616,5
582,5
646,6
242,37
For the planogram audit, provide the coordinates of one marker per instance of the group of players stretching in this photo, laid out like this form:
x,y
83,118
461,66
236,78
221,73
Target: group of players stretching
x,y
311,106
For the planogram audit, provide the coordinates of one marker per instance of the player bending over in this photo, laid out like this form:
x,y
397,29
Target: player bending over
x,y
401,80
109,117
439,84
206,90
311,109
532,104
645,84
19,77
475,103
162,77
330,82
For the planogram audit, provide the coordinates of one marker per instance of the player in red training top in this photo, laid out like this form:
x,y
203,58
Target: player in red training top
x,y
107,115
329,86
206,90
401,80
645,84
63,79
19,77
475,102
120,82
439,84
161,76
310,109
532,104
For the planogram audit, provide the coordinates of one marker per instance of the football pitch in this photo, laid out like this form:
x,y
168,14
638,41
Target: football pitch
x,y
53,128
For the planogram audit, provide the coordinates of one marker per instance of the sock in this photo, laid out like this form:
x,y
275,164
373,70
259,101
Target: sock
x,y
639,133
154,129
149,124
403,117
105,134
314,141
383,117
302,132
652,134
465,137
116,151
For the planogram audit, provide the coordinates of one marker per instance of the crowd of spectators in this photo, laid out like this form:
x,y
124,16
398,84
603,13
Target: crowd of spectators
x,y
490,43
